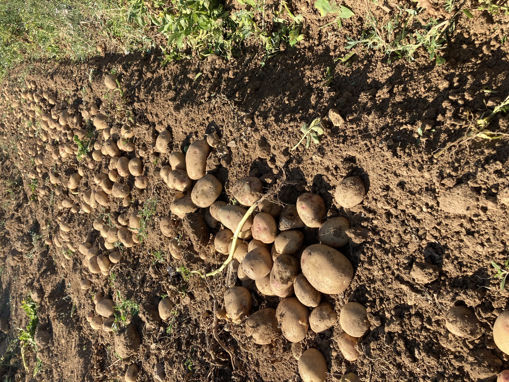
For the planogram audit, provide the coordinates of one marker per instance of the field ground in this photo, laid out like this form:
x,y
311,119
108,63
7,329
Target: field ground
x,y
422,92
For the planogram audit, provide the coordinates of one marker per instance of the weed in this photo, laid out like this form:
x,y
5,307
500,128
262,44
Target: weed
x,y
158,257
311,133
33,188
26,336
502,272
327,8
171,322
112,278
83,147
184,272
188,364
494,7
149,209
503,107
36,244
124,310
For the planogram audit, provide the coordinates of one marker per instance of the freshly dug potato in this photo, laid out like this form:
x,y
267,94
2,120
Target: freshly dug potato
x,y
164,308
263,286
293,319
165,226
230,217
282,275
115,257
175,250
131,374
102,198
461,321
501,331
177,161
333,232
270,208
223,240
135,167
93,267
240,250
353,319
110,148
196,159
261,326
237,302
74,181
104,307
85,284
96,322
311,209
350,192
288,242
141,182
104,263
120,190
125,237
110,81
215,207
163,173
326,269
123,166
348,347
257,263
247,190
255,244
322,317
312,366
503,376
206,190
264,228
178,180
162,142
289,218
183,206
305,292
100,122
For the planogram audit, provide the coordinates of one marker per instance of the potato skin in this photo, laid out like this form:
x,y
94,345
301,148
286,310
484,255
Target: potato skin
x,y
177,161
282,275
322,317
288,242
305,292
348,347
206,191
222,241
353,319
261,326
350,192
237,302
332,232
264,228
183,206
257,263
289,218
263,286
230,216
326,269
311,209
293,319
196,159
178,180
312,366
501,330
247,190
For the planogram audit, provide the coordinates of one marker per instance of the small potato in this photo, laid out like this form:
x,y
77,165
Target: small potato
x,y
114,175
240,250
333,232
503,376
261,326
125,237
74,181
85,284
311,209
255,244
177,161
183,206
124,145
322,317
164,308
100,122
115,257
123,166
120,190
350,377
141,182
350,192
134,223
178,180
206,190
264,228
305,292
312,366
247,190
96,322
290,219
175,250
110,148
326,269
293,319
162,142
131,374
237,302
104,307
163,173
196,159
348,347
257,263
110,81
282,275
223,240
270,208
104,263
461,321
353,319
230,217
215,207
93,267
288,242
135,167
263,286
102,198
501,331
165,226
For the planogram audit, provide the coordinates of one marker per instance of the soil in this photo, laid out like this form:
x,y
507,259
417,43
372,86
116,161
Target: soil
x,y
421,242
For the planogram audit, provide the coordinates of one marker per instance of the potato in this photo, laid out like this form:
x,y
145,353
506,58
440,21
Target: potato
x,y
326,269
222,241
348,347
178,180
165,226
305,292
97,155
74,181
177,161
270,208
261,326
293,319
332,232
288,242
215,207
245,235
461,321
164,172
115,257
503,376
501,331
289,218
230,217
104,307
96,322
120,190
353,319
175,250
141,182
93,267
114,175
162,142
183,206
247,191
110,148
135,167
196,159
322,317
106,184
255,244
100,122
237,302
263,286
134,223
123,166
350,192
125,237
311,209
131,374
264,228
242,276
110,81
257,263
104,263
102,198
282,275
312,366
206,190
164,308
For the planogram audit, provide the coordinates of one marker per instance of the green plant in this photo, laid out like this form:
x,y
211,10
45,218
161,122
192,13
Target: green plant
x,y
184,272
171,322
494,7
326,8
26,336
149,209
188,364
502,272
83,147
503,107
311,133
158,257
124,310
33,188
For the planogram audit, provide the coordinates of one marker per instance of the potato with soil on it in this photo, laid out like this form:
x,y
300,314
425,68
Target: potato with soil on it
x,y
162,142
74,181
501,331
222,241
305,292
206,190
126,341
105,307
215,207
237,302
269,207
125,237
141,182
177,161
264,228
288,242
100,122
282,275
333,232
135,167
230,216
247,190
353,319
289,218
175,249
257,263
462,322
240,250
263,286
503,376
350,192
196,159
311,209
348,347
312,366
255,244
165,226
164,308
293,319
261,326
178,180
122,166
183,206
322,317
120,190
110,81
131,374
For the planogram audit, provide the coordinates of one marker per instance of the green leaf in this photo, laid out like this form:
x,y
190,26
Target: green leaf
x,y
419,131
324,7
304,128
502,283
345,12
318,130
495,265
468,14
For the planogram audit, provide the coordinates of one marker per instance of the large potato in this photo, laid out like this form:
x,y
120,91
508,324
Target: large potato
x,y
215,207
247,190
333,232
264,228
288,242
353,319
312,366
237,302
257,263
293,319
261,326
350,192
282,275
326,269
206,191
322,317
305,292
289,218
230,216
311,209
196,159
501,331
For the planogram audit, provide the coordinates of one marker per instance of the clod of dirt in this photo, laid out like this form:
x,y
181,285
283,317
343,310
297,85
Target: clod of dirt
x,y
305,292
165,307
105,307
261,326
353,319
424,273
350,192
297,350
4,324
459,200
348,347
213,139
483,364
196,228
462,322
110,81
312,366
126,341
292,317
131,374
108,324
237,302
289,218
336,118
503,196
322,317
42,337
159,374
183,206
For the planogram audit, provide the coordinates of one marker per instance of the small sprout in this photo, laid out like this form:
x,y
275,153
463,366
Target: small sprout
x,y
184,272
502,272
124,310
311,133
